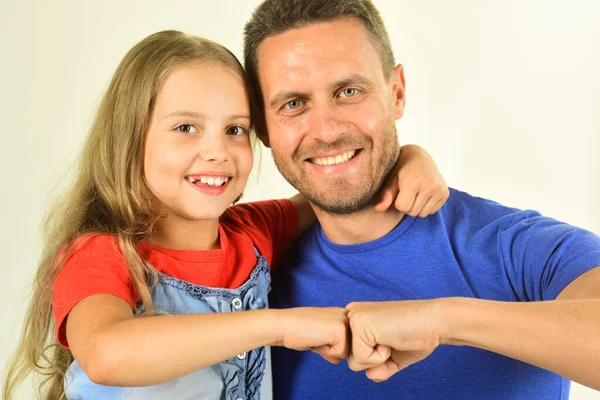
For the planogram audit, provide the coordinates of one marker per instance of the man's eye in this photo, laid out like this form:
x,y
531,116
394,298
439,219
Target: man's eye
x,y
236,130
186,128
293,105
349,92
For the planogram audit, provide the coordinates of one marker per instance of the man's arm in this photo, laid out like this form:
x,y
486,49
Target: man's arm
x,y
561,335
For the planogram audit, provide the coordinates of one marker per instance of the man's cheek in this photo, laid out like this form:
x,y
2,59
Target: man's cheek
x,y
286,139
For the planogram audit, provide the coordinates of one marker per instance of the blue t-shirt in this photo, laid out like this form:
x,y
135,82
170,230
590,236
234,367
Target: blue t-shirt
x,y
471,248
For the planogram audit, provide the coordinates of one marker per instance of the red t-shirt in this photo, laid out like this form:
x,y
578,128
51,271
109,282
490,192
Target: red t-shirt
x,y
98,265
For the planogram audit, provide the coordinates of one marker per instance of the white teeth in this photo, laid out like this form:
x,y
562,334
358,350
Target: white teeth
x,y
340,158
209,180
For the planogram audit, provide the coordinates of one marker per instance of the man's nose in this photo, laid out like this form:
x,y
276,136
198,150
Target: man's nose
x,y
325,123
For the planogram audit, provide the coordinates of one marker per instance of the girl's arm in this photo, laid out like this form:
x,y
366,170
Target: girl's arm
x,y
115,349
306,215
415,187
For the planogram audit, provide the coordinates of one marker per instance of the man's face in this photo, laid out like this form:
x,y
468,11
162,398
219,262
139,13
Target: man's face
x,y
330,112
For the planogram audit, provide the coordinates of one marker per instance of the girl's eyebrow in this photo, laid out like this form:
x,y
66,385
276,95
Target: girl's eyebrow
x,y
240,116
198,115
184,114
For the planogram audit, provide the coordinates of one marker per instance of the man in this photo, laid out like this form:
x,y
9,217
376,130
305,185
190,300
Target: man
x,y
478,301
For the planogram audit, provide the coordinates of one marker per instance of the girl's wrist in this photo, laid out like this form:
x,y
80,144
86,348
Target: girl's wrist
x,y
272,324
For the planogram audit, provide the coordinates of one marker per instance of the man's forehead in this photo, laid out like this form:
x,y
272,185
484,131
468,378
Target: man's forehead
x,y
308,52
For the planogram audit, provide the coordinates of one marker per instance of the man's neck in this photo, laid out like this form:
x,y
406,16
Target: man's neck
x,y
361,227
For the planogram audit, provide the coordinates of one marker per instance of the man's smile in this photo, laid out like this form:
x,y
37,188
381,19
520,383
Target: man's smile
x,y
334,159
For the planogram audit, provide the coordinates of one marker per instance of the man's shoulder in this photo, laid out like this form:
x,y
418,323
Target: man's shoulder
x,y
465,199
461,204
468,214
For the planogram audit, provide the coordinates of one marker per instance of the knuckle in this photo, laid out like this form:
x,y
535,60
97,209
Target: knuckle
x,y
402,204
429,184
356,324
409,185
353,322
434,188
374,376
354,366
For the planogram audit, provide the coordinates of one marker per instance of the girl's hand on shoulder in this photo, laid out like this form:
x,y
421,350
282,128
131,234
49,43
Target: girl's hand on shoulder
x,y
415,186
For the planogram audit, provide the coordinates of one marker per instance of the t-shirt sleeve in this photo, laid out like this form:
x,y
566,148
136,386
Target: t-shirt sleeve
x,y
96,266
542,256
272,226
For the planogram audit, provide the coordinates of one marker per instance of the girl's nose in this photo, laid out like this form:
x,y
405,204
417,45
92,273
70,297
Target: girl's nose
x,y
213,147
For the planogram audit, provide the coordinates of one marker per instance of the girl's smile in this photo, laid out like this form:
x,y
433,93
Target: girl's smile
x,y
212,184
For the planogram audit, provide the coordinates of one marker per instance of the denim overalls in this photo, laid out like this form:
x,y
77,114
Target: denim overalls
x,y
246,376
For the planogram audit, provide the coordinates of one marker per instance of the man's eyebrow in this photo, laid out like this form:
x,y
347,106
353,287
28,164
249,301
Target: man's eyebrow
x,y
355,79
284,95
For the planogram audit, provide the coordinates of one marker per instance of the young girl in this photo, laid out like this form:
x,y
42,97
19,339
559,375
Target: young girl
x,y
146,231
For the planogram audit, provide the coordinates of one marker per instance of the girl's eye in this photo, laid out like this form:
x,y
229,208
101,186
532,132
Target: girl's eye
x,y
349,92
236,130
293,105
186,128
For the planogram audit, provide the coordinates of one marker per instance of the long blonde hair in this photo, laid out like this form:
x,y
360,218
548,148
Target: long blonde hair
x,y
108,196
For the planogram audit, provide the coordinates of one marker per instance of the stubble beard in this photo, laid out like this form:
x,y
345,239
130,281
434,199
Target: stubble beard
x,y
342,197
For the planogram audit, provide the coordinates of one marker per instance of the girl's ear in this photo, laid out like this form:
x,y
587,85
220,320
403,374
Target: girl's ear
x,y
398,90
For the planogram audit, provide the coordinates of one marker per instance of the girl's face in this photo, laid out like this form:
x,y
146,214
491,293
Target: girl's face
x,y
197,153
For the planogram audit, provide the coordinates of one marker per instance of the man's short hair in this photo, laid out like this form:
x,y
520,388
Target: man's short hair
x,y
274,17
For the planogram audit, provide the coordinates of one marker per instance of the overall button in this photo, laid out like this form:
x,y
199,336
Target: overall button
x,y
239,398
241,356
237,303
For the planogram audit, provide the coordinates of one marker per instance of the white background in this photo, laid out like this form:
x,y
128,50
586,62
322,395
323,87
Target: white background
x,y
504,94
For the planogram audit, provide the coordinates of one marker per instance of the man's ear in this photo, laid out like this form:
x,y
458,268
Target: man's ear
x,y
398,85
260,127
